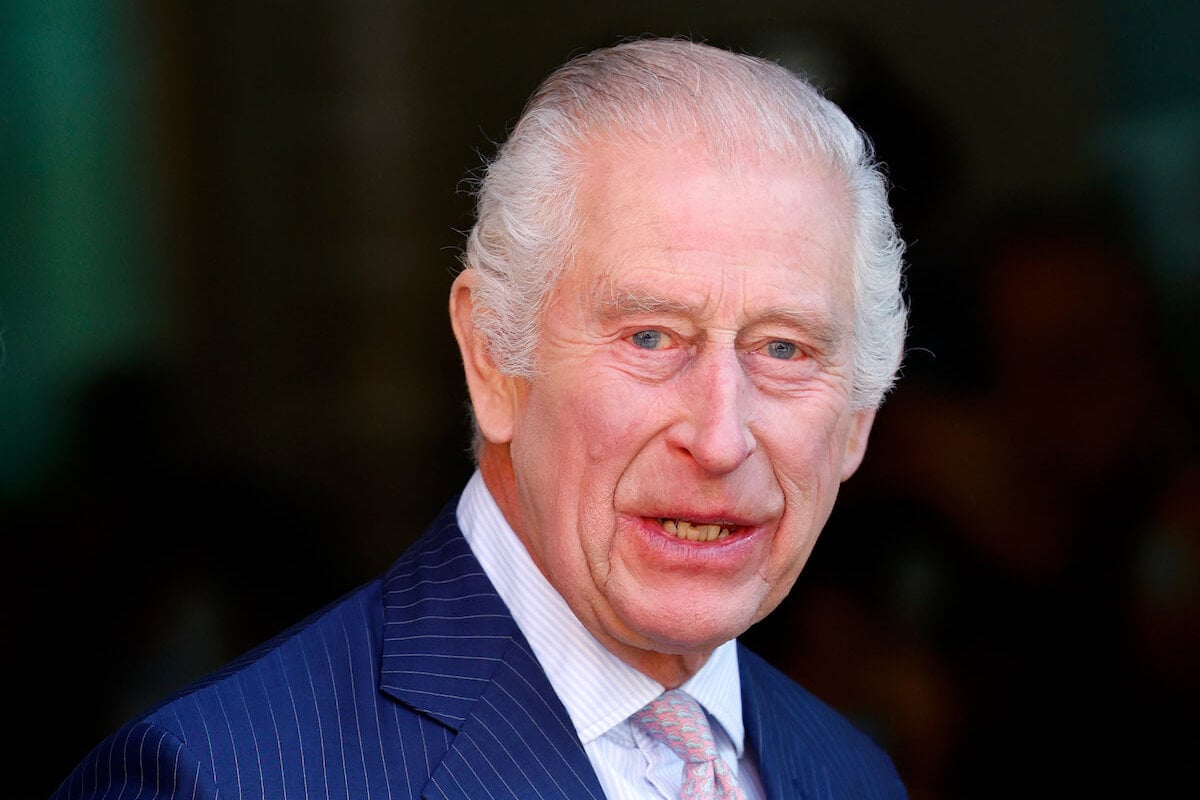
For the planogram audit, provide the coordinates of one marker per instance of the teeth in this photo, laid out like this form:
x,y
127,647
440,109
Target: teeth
x,y
683,529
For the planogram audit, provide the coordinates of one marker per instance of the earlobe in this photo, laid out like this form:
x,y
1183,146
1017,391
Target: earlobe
x,y
856,441
493,394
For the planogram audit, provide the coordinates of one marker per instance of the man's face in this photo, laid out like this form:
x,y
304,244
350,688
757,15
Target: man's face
x,y
682,444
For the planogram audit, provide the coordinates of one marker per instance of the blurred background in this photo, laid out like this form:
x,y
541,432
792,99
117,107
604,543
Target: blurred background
x,y
229,392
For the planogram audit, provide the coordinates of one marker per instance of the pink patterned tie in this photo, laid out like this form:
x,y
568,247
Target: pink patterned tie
x,y
677,720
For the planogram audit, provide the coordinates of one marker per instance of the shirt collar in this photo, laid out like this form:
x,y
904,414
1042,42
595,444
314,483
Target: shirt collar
x,y
598,690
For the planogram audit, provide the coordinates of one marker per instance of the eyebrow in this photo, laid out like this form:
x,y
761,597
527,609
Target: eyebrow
x,y
612,303
817,327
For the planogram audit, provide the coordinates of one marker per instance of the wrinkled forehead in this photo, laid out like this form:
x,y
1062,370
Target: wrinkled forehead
x,y
667,208
604,208
729,160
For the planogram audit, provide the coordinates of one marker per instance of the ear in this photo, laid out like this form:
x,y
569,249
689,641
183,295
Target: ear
x,y
493,394
856,441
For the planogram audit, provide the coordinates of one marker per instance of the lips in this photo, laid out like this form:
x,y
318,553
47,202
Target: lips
x,y
696,532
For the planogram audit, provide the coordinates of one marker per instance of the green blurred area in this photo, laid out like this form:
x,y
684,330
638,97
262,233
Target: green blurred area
x,y
78,288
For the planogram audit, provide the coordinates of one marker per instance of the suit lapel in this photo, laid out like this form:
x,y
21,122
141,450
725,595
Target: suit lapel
x,y
786,770
453,652
517,742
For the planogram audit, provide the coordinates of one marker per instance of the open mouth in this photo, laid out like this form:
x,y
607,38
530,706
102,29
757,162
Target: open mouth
x,y
696,532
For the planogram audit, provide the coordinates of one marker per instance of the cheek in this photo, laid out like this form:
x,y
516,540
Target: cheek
x,y
807,439
808,466
572,448
611,423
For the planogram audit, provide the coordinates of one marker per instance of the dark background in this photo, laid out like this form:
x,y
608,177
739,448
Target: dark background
x,y
229,392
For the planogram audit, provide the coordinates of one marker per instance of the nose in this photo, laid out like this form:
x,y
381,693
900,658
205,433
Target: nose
x,y
714,428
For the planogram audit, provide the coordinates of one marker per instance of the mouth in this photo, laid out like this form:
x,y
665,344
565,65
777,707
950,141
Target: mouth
x,y
696,531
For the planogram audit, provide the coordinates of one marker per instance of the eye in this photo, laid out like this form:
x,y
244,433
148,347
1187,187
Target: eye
x,y
784,351
647,340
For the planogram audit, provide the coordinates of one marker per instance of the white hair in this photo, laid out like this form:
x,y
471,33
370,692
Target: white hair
x,y
647,91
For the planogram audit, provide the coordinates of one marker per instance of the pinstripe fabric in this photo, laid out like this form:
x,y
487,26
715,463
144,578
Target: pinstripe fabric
x,y
419,684
416,685
806,749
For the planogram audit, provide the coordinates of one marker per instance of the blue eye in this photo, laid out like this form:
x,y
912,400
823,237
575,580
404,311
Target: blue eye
x,y
781,350
647,340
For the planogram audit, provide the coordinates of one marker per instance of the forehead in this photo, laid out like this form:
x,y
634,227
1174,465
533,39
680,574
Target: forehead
x,y
655,218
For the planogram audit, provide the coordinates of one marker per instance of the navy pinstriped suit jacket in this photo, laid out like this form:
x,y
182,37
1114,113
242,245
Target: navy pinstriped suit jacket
x,y
420,684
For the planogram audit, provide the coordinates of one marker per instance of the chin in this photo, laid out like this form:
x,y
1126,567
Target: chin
x,y
685,634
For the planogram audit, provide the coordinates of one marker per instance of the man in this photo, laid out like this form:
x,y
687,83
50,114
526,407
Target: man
x,y
679,312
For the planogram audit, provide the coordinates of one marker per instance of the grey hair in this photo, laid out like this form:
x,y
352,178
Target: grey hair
x,y
649,90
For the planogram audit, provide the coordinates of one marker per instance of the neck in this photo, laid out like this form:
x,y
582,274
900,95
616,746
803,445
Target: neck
x,y
671,670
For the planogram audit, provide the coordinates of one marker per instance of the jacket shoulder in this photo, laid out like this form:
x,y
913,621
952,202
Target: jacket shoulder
x,y
822,751
214,732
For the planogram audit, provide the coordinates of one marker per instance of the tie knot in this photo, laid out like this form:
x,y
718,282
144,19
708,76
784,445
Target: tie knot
x,y
677,720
